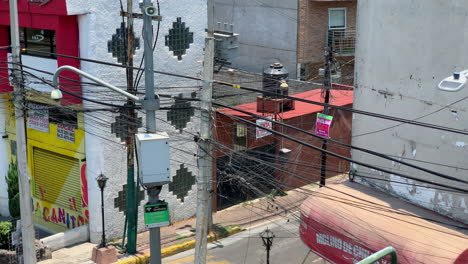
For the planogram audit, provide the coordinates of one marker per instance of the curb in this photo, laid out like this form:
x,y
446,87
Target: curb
x,y
172,250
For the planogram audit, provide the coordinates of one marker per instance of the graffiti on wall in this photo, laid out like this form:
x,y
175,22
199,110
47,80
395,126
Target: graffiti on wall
x,y
62,217
65,217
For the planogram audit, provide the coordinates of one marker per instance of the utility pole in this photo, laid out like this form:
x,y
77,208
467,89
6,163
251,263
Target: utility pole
x,y
204,188
327,86
151,104
27,225
132,214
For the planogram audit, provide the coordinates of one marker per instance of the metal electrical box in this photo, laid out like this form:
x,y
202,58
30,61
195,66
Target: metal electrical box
x,y
153,158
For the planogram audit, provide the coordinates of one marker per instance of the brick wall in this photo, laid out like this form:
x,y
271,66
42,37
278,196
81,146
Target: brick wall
x,y
313,26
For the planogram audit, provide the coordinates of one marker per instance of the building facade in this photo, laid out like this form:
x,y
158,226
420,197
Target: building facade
x,y
70,143
404,49
247,156
321,24
267,32
399,65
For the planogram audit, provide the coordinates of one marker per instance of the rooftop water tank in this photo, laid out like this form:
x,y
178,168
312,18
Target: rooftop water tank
x,y
272,78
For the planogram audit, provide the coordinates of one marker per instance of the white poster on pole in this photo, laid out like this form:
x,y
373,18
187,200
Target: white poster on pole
x,y
10,73
38,117
262,132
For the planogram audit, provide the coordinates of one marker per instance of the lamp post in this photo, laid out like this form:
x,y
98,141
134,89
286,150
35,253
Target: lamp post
x,y
101,179
267,237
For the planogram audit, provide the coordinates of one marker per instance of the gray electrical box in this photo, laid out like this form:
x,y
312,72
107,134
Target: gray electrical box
x,y
153,158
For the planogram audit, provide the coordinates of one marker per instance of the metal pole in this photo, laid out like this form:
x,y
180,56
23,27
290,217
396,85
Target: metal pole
x,y
380,255
151,104
327,86
268,252
150,98
155,234
27,226
95,79
103,241
132,213
204,188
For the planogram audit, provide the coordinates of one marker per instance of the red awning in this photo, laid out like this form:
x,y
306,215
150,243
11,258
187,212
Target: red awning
x,y
346,222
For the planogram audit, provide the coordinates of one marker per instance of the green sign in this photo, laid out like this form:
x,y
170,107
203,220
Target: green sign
x,y
157,215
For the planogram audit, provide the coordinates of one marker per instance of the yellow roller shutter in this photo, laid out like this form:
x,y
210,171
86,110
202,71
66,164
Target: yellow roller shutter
x,y
57,179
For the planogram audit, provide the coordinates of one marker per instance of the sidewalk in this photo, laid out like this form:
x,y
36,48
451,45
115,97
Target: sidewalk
x,y
180,236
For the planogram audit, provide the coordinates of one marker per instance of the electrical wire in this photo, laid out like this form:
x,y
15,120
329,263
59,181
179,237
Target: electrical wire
x,y
344,144
392,118
340,156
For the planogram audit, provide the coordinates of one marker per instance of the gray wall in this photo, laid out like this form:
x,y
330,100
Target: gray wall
x,y
404,49
267,32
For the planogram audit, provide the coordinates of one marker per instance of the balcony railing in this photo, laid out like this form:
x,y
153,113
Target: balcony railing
x,y
343,42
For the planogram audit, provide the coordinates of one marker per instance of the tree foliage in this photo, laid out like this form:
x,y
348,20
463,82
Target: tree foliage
x,y
13,190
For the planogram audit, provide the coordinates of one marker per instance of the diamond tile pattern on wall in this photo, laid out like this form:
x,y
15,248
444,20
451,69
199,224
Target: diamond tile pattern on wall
x,y
121,200
122,122
118,44
182,182
180,113
179,38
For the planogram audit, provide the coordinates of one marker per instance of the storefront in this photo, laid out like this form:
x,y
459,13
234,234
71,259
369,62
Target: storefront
x,y
55,134
347,222
57,163
45,30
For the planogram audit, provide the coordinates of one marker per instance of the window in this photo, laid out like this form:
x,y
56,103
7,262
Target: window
x,y
336,18
37,42
59,115
240,137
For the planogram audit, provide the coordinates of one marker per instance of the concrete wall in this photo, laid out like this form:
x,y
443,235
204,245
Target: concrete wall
x,y
105,153
4,211
267,32
404,49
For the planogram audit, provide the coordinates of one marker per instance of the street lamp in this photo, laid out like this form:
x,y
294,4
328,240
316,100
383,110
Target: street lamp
x,y
56,94
267,237
455,82
101,179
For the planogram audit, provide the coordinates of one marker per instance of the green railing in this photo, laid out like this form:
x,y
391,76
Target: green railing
x,y
380,255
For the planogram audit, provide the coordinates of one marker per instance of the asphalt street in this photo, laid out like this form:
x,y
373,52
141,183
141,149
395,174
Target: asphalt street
x,y
247,248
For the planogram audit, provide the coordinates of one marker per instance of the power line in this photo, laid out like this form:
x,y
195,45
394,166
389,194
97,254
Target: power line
x,y
397,119
363,205
340,156
100,102
392,118
374,153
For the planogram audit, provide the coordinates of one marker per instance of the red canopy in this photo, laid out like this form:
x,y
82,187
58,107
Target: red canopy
x,y
346,222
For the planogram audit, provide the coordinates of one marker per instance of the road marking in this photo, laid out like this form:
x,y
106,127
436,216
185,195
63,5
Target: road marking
x,y
192,258
317,260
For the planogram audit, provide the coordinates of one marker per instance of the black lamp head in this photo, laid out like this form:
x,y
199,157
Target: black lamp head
x,y
101,179
267,234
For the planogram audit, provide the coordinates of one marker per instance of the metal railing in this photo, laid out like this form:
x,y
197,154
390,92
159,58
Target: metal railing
x,y
380,255
343,41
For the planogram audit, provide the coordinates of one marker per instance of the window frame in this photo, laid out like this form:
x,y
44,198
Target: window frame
x,y
235,137
345,18
24,44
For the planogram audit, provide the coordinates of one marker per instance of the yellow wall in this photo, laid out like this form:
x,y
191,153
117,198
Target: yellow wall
x,y
52,216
